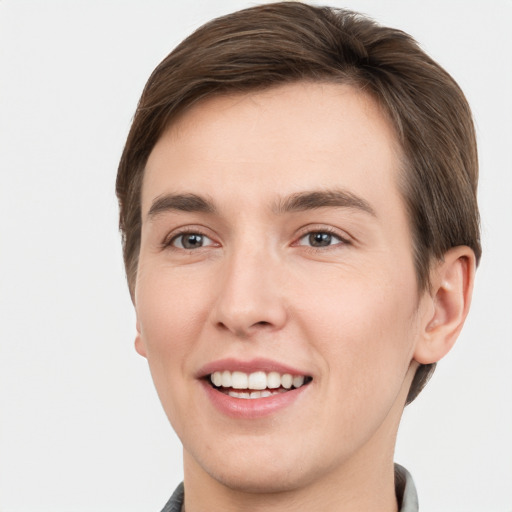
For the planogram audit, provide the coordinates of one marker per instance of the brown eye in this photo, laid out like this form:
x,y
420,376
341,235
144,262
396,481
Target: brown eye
x,y
320,239
191,241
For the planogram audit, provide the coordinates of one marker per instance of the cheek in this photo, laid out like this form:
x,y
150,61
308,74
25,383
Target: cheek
x,y
170,313
169,308
364,324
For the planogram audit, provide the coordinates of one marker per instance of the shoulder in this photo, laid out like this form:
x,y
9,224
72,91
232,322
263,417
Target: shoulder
x,y
405,490
176,501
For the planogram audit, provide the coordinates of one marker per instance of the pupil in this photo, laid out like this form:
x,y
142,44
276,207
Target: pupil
x,y
320,239
192,241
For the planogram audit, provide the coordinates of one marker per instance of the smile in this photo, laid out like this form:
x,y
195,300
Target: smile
x,y
259,384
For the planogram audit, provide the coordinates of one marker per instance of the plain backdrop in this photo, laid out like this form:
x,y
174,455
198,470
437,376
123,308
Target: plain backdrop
x,y
81,428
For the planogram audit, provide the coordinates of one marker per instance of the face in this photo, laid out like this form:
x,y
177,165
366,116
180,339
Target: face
x,y
276,261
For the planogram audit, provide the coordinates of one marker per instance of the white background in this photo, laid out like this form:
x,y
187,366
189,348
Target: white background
x,y
80,425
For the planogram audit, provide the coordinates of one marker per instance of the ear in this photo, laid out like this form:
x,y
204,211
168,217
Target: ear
x,y
140,346
450,297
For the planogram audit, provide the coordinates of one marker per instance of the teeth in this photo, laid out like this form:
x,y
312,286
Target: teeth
x,y
239,380
257,380
226,379
298,381
248,395
217,379
273,380
286,381
260,382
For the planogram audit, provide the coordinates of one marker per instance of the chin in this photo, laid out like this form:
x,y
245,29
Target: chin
x,y
268,468
263,480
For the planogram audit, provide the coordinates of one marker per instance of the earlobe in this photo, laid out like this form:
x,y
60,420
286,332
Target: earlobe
x,y
452,287
140,347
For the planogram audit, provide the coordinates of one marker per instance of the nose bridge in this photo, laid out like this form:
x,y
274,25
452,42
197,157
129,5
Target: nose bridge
x,y
249,294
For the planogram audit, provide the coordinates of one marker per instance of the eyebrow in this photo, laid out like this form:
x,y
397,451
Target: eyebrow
x,y
303,201
180,203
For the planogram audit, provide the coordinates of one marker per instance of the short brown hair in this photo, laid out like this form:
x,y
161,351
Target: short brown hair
x,y
287,42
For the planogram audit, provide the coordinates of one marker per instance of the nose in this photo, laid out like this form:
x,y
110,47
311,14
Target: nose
x,y
251,297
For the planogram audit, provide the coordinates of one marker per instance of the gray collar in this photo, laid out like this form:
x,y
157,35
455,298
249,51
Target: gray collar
x,y
405,490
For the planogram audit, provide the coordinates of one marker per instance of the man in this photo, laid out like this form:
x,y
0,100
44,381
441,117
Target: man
x,y
300,228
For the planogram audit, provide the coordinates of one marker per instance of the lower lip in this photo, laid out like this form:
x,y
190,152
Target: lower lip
x,y
249,408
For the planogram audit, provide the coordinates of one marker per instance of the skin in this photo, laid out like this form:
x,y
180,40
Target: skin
x,y
348,314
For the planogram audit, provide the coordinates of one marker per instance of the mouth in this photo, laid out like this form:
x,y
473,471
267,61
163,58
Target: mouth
x,y
259,384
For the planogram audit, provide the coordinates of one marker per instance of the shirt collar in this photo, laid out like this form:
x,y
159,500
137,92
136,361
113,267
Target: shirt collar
x,y
405,490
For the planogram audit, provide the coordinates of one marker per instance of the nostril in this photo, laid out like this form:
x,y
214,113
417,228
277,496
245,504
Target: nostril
x,y
262,323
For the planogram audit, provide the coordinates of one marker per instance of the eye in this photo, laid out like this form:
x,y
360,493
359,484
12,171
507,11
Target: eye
x,y
320,239
191,241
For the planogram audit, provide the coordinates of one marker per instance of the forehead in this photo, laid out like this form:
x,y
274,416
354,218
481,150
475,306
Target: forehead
x,y
291,137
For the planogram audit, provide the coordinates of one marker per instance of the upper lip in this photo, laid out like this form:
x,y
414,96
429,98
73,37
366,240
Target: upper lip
x,y
250,366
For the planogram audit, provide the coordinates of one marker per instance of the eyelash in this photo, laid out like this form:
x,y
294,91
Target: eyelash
x,y
170,240
322,230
